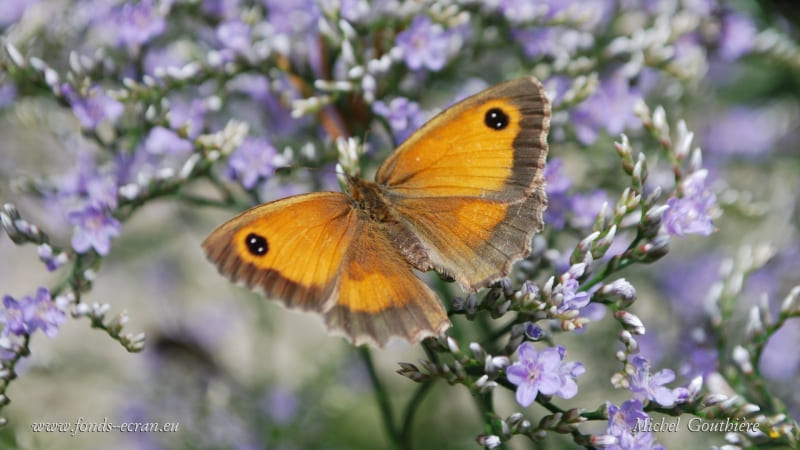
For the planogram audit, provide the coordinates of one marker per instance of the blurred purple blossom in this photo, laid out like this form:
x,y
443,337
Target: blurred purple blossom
x,y
13,10
234,35
745,131
32,313
158,59
162,141
8,93
293,18
95,108
691,212
224,9
685,283
780,360
94,228
136,23
699,354
737,36
189,114
609,108
552,41
281,405
557,183
87,184
252,161
542,372
424,44
585,207
404,116
649,386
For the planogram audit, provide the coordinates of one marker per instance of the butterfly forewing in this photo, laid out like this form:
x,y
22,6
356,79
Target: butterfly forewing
x,y
470,184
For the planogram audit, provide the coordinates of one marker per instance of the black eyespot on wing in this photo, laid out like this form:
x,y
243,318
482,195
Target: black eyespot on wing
x,y
496,119
257,244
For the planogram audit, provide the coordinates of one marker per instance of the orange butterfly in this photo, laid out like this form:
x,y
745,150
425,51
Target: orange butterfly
x,y
462,196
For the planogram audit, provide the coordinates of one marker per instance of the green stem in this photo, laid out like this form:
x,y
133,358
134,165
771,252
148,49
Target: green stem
x,y
383,398
411,409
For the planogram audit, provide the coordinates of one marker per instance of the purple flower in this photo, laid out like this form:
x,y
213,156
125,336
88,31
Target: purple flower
x,y
404,116
542,372
737,36
281,405
224,9
136,23
162,140
51,260
13,10
31,314
569,296
94,228
253,160
294,18
424,44
553,41
557,183
585,207
647,386
610,108
95,108
234,35
745,132
189,114
691,213
622,421
8,93
625,418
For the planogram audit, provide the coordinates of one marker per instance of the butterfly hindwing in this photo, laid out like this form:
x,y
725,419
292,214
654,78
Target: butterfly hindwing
x,y
469,184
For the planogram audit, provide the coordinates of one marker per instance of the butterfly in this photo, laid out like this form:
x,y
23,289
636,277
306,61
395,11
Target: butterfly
x,y
462,196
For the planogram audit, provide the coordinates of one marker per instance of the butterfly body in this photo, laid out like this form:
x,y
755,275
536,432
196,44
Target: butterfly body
x,y
462,196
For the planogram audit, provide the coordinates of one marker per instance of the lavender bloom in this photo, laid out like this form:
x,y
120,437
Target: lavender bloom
x,y
745,132
737,36
571,299
542,372
137,23
622,421
88,184
94,228
585,207
647,386
235,36
691,213
8,93
424,44
189,114
554,41
31,314
294,18
404,116
51,260
95,108
281,405
610,108
162,140
557,183
13,10
253,160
